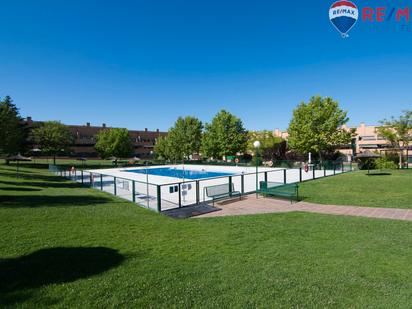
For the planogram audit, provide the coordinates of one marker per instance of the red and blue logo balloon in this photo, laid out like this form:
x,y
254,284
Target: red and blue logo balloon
x,y
343,15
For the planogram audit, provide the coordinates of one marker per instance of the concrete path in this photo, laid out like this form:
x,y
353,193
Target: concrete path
x,y
252,205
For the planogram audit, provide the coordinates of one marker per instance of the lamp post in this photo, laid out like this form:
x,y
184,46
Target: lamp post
x,y
147,181
256,145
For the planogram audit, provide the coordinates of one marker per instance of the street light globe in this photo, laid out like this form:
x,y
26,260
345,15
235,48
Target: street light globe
x,y
256,144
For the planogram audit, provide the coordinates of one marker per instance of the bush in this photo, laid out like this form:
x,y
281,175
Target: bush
x,y
392,156
385,163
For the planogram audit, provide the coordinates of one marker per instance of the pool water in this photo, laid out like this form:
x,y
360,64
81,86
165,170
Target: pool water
x,y
179,173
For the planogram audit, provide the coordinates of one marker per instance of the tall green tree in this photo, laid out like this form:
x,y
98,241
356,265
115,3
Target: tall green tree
x,y
53,138
162,148
316,127
224,136
272,147
114,142
398,132
12,131
184,138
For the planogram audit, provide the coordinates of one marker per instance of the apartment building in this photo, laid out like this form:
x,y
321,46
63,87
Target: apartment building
x,y
85,138
366,138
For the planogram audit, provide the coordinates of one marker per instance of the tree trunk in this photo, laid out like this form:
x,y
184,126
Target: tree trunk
x,y
400,159
54,160
320,157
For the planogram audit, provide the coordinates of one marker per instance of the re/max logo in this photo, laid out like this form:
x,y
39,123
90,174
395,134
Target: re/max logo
x,y
381,14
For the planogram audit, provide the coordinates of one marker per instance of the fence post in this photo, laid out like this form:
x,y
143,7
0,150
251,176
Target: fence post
x,y
351,166
114,185
134,191
159,198
334,169
197,192
242,183
101,182
324,170
284,176
314,171
81,172
266,176
180,197
230,185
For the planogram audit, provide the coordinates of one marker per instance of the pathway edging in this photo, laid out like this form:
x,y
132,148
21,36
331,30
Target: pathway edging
x,y
252,205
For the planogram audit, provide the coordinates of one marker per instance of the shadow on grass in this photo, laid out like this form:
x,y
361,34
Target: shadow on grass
x,y
379,174
42,184
39,177
12,171
19,189
52,266
33,201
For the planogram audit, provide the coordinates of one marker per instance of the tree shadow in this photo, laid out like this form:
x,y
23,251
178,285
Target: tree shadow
x,y
12,171
53,266
42,184
379,174
33,201
19,189
39,177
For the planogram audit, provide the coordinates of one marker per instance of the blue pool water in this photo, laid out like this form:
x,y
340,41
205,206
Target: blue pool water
x,y
179,173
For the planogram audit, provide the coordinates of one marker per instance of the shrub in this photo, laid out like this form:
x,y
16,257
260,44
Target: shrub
x,y
385,163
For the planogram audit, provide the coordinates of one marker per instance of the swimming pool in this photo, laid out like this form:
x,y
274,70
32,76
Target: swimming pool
x,y
180,173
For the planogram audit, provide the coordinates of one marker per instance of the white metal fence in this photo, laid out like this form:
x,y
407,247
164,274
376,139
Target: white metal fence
x,y
161,197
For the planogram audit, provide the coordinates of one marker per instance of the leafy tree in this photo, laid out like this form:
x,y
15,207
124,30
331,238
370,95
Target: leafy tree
x,y
53,137
224,136
114,142
398,132
185,137
316,127
272,147
12,130
162,148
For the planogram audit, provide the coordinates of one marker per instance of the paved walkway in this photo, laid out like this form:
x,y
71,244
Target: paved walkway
x,y
252,205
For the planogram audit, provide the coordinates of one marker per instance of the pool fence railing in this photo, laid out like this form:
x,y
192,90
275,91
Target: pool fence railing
x,y
160,197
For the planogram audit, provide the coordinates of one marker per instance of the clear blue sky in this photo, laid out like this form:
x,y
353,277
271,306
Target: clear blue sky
x,y
140,64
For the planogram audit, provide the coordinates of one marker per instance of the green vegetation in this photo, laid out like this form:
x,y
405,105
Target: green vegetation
x,y
70,247
182,141
398,132
224,136
53,138
271,147
385,163
12,132
114,142
43,163
316,127
391,188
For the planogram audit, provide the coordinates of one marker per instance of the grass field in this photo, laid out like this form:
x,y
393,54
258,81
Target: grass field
x,y
359,189
66,246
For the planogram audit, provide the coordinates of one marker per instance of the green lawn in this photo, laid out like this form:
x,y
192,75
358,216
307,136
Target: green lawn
x,y
66,246
359,189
